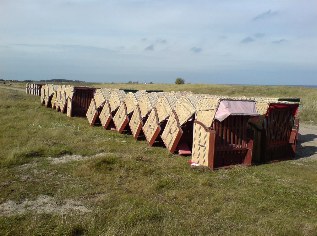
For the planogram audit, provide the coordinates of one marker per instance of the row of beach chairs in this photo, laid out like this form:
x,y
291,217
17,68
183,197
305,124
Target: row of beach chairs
x,y
216,131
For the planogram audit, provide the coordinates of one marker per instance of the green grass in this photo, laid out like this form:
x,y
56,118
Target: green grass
x,y
134,189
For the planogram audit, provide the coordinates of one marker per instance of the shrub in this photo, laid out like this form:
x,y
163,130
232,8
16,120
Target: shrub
x,y
179,81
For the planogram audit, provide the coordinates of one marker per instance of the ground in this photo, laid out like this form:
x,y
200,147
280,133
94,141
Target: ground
x,y
307,147
58,176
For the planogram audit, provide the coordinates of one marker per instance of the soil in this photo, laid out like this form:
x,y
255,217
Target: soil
x,y
69,158
307,142
43,204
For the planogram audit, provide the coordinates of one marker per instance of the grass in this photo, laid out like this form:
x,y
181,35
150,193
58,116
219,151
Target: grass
x,y
133,189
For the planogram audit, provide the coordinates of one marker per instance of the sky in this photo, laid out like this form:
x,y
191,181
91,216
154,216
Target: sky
x,y
202,41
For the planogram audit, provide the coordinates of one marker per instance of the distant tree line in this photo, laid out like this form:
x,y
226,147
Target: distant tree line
x,y
62,81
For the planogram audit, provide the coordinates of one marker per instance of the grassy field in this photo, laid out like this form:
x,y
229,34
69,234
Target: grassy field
x,y
59,176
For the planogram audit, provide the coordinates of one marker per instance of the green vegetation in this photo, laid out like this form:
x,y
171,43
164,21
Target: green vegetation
x,y
130,188
179,81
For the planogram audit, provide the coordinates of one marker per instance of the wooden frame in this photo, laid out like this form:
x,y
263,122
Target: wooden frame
x,y
276,132
136,122
172,133
79,101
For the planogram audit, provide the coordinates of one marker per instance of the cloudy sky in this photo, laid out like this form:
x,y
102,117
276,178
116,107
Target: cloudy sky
x,y
203,41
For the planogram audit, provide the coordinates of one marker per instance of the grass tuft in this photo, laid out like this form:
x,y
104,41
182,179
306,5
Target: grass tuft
x,y
107,163
165,183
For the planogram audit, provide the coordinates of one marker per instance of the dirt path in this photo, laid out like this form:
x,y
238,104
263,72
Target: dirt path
x,y
43,204
307,145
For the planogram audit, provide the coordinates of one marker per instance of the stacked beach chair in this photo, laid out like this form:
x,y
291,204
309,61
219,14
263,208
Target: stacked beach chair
x,y
126,110
158,117
276,130
33,89
67,99
78,100
221,132
47,93
216,131
101,97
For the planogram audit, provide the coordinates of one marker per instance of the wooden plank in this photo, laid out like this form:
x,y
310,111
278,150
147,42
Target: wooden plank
x,y
121,118
203,145
172,133
92,113
116,97
136,122
105,115
151,128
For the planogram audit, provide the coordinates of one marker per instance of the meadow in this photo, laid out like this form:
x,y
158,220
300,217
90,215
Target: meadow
x,y
59,176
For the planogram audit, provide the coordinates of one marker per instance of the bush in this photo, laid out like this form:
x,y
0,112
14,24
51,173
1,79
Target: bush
x,y
179,81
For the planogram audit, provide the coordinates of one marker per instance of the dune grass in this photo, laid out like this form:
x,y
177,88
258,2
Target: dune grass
x,y
130,188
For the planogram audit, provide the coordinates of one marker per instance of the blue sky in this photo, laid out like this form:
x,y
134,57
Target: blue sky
x,y
215,41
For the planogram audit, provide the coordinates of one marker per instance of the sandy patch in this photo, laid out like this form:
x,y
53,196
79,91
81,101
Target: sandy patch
x,y
24,167
307,144
69,158
43,204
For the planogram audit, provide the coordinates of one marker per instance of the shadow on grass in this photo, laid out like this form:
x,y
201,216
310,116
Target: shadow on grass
x,y
78,231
